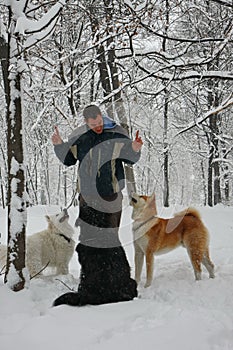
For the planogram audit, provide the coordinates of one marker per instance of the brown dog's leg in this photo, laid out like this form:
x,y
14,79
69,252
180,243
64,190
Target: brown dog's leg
x,y
208,264
196,257
149,267
138,260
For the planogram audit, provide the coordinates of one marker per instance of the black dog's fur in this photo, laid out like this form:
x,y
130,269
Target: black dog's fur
x,y
105,278
105,272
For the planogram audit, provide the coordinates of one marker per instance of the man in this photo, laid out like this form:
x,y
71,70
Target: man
x,y
101,147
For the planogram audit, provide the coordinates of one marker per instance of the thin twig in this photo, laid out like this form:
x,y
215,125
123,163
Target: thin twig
x,y
72,290
31,277
2,270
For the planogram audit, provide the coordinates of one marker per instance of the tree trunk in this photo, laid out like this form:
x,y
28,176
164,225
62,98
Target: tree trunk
x,y
214,165
110,81
16,193
129,172
3,59
226,176
2,191
166,154
165,118
202,169
17,218
210,178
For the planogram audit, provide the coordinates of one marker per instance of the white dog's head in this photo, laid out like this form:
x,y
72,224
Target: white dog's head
x,y
58,223
143,207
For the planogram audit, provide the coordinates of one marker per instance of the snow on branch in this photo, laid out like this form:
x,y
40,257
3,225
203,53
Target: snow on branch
x,y
3,31
161,35
224,3
225,104
224,75
28,26
37,29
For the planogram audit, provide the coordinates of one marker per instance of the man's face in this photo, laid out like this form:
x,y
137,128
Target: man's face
x,y
96,124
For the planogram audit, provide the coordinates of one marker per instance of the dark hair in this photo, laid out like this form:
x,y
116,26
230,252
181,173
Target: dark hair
x,y
91,111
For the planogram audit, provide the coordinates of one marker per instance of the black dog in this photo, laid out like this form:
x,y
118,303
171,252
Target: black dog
x,y
105,271
105,278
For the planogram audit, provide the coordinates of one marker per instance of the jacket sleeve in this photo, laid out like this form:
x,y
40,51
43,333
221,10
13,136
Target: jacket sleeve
x,y
128,155
66,153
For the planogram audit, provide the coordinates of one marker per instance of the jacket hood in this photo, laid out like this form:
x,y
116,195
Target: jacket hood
x,y
108,122
108,125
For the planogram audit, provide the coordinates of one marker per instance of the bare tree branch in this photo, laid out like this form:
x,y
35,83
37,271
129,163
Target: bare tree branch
x,y
225,104
224,3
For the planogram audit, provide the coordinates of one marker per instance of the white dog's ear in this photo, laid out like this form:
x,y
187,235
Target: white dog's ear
x,y
47,218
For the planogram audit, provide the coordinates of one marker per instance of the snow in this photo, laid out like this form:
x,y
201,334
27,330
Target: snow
x,y
24,25
174,313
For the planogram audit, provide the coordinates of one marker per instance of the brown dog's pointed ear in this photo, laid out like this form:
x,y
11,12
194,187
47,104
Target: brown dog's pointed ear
x,y
47,218
152,204
152,198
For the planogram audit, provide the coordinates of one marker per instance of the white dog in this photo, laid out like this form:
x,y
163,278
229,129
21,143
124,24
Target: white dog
x,y
52,247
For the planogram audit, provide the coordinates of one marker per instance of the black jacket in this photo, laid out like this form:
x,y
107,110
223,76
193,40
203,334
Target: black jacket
x,y
100,156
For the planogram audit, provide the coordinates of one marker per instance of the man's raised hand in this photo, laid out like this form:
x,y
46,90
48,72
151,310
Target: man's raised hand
x,y
56,138
137,143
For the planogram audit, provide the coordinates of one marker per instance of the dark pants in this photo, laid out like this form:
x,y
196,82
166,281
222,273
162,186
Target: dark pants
x,y
99,228
105,271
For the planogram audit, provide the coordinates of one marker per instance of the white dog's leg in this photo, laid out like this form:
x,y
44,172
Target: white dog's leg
x,y
34,267
62,269
62,260
138,260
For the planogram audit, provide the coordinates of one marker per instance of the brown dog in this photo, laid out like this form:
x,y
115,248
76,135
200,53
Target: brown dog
x,y
154,235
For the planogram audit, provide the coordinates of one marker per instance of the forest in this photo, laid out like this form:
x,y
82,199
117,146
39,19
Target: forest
x,y
162,67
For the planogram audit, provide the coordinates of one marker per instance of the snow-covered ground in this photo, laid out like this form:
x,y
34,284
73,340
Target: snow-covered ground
x,y
174,313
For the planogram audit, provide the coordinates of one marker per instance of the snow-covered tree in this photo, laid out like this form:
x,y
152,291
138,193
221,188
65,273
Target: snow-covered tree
x,y
162,61
23,25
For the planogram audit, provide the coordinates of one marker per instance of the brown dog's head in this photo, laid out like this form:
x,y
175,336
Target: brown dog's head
x,y
143,206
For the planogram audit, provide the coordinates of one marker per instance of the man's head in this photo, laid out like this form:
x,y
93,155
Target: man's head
x,y
93,118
